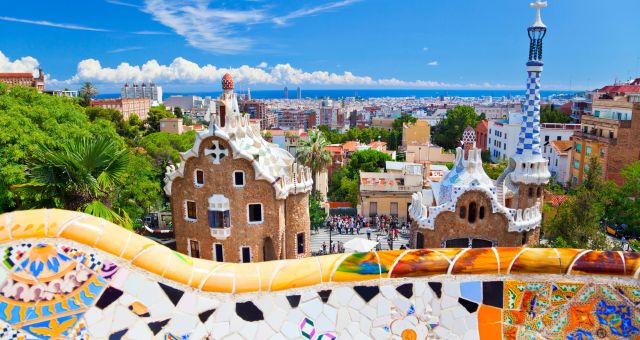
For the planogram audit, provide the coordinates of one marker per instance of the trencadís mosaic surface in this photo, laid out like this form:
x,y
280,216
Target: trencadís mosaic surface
x,y
69,275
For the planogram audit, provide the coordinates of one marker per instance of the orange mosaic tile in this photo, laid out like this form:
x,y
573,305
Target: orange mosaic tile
x,y
476,261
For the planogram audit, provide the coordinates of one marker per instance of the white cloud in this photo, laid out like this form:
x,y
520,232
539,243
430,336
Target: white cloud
x,y
122,3
53,24
125,49
263,65
24,64
184,72
206,28
151,33
303,12
433,63
425,49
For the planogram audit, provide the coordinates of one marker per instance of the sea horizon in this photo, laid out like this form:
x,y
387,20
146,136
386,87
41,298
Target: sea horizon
x,y
371,93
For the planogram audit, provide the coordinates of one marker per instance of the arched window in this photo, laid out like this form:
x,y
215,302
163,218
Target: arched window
x,y
481,213
463,212
539,193
473,208
530,192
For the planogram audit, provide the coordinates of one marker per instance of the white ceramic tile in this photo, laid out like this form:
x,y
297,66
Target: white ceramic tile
x,y
290,330
447,302
383,308
344,318
275,318
402,304
341,296
123,317
356,302
234,336
380,334
365,325
330,312
388,292
264,330
295,316
369,312
312,308
182,323
471,334
354,314
187,302
205,304
219,329
323,325
451,289
249,330
224,311
139,330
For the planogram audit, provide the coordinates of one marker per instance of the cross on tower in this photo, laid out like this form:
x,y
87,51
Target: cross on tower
x,y
217,152
538,5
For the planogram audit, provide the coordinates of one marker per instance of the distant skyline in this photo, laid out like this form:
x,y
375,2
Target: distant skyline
x,y
187,45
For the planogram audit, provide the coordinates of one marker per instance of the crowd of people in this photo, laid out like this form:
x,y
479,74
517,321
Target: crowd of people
x,y
386,228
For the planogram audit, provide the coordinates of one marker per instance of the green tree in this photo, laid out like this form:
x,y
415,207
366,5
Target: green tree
x,y
317,215
448,132
177,111
155,114
548,114
400,121
495,170
82,174
164,147
313,153
86,92
366,161
577,221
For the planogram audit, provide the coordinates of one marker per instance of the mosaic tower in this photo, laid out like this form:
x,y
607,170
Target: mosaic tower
x,y
521,185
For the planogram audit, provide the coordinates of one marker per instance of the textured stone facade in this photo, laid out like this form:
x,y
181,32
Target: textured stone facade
x,y
271,239
486,225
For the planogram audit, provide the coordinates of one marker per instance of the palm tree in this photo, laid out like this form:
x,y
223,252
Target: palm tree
x,y
313,153
86,92
83,175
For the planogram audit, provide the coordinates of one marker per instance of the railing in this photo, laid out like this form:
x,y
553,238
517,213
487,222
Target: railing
x,y
585,135
220,233
391,188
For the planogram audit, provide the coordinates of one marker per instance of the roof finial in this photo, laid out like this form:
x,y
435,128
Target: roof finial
x,y
538,5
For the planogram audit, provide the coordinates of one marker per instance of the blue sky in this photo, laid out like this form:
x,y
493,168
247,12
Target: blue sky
x,y
189,44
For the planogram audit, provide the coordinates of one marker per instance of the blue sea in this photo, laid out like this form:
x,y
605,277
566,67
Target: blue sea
x,y
377,93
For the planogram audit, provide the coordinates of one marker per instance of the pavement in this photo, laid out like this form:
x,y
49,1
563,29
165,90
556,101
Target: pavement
x,y
323,236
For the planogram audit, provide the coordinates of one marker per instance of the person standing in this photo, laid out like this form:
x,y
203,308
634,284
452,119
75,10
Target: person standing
x,y
324,247
368,231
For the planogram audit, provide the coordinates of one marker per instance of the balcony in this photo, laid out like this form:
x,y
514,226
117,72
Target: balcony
x,y
220,233
594,137
605,122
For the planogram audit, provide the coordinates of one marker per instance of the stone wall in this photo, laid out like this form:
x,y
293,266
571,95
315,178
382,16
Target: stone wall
x,y
70,275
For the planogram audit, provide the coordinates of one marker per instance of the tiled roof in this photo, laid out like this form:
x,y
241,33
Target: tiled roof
x,y
16,75
562,146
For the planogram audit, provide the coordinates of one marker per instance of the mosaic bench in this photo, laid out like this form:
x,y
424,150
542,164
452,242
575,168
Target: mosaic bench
x,y
65,274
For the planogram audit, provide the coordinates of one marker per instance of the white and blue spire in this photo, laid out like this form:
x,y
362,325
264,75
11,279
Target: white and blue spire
x,y
530,167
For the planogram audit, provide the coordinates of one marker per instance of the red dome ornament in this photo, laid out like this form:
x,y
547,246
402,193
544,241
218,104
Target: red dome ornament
x,y
227,82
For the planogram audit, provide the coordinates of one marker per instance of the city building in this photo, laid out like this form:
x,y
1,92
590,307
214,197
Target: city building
x,y
259,110
127,106
389,193
24,79
482,135
299,93
609,134
428,154
292,118
174,125
286,93
497,111
467,209
418,133
330,115
236,197
62,93
560,160
382,123
186,103
503,135
151,91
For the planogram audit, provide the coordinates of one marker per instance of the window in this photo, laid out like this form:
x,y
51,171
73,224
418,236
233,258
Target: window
x,y
559,138
300,243
194,248
463,212
601,152
245,253
576,164
191,210
586,167
481,213
219,219
254,213
539,192
472,212
530,192
610,134
199,178
218,252
546,138
238,179
587,151
578,147
373,209
556,162
393,210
